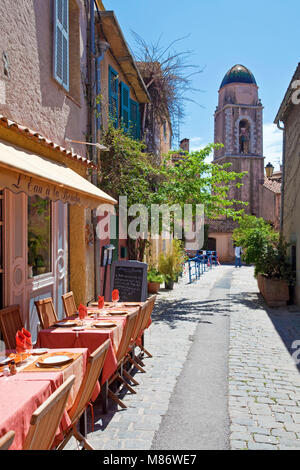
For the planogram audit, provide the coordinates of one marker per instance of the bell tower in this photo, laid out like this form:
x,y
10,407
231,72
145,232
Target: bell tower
x,y
239,127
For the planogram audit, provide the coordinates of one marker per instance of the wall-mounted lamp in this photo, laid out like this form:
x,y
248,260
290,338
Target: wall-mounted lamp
x,y
269,170
99,146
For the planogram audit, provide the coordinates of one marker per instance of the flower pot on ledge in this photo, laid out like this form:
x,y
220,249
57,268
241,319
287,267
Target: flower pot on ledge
x,y
274,291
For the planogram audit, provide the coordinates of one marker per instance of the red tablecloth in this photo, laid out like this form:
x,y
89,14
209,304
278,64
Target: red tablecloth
x,y
17,403
23,393
89,338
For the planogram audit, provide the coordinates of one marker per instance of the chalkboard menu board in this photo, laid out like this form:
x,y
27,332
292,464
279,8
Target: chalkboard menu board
x,y
130,278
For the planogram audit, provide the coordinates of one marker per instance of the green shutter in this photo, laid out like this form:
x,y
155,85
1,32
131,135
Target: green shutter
x,y
113,88
135,120
61,42
125,106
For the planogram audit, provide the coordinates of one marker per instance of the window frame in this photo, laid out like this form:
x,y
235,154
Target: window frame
x,y
61,25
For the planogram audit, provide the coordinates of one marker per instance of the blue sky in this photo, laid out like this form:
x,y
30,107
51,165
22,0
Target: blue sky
x,y
263,35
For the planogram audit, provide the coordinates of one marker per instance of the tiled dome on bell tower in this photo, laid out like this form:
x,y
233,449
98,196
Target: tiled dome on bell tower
x,y
239,127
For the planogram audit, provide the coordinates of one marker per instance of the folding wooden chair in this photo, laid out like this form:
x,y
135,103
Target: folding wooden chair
x,y
131,357
10,323
7,440
69,304
46,312
46,419
149,305
122,355
92,374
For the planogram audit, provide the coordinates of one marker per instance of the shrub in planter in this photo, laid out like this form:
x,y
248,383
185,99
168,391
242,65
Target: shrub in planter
x,y
167,266
155,279
264,248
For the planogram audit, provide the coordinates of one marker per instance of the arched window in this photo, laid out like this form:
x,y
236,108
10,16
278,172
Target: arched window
x,y
244,137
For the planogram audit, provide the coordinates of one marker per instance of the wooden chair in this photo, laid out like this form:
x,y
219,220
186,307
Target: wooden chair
x,y
149,305
92,373
46,419
6,440
122,355
69,304
46,312
10,323
135,361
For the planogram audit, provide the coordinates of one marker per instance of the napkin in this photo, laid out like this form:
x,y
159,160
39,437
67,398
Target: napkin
x,y
100,302
20,341
82,310
115,295
28,339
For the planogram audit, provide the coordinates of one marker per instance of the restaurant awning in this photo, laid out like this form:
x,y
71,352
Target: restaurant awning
x,y
23,171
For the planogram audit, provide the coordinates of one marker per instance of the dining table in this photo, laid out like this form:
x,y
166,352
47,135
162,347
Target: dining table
x,y
21,394
90,332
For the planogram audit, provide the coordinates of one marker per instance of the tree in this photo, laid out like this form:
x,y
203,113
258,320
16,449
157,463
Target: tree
x,y
167,74
191,180
126,170
264,248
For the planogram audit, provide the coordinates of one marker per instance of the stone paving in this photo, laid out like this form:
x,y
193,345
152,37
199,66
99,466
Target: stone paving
x,y
175,318
264,381
263,384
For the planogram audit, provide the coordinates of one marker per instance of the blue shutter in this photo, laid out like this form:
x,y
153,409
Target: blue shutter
x,y
125,106
61,42
113,88
135,125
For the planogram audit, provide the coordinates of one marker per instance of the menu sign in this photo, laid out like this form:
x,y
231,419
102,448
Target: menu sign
x,y
130,278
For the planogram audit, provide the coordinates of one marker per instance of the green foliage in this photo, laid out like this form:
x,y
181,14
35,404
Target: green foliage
x,y
154,275
264,248
170,263
254,235
194,181
126,170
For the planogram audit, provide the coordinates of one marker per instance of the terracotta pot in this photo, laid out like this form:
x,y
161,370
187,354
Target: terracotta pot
x,y
153,287
274,291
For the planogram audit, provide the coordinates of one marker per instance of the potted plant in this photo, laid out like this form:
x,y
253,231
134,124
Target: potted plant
x,y
40,265
267,251
274,274
155,279
167,266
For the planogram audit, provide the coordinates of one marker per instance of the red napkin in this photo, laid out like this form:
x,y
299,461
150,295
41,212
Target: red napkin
x,y
82,310
20,342
28,339
100,302
115,295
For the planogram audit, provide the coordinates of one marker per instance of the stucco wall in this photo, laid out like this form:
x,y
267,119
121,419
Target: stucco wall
x,y
291,207
269,206
224,246
32,96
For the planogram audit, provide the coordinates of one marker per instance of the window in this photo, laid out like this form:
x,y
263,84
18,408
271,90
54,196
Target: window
x,y
113,84
134,120
125,106
165,130
39,236
61,42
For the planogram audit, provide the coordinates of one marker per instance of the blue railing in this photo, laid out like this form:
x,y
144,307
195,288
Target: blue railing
x,y
201,263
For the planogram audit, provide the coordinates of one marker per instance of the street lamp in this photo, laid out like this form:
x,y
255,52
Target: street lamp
x,y
99,146
269,170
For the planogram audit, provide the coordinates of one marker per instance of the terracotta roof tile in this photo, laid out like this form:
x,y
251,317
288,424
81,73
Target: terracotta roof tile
x,y
43,140
272,185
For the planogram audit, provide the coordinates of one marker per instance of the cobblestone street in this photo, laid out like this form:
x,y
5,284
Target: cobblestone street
x,y
262,382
